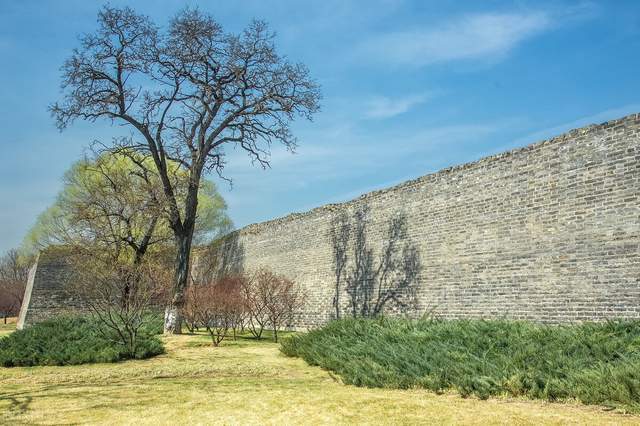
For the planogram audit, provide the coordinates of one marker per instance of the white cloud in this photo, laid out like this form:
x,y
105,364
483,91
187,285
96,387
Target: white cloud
x,y
385,107
479,36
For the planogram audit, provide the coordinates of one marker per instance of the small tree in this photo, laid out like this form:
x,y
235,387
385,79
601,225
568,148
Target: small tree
x,y
257,315
219,306
14,271
123,296
275,298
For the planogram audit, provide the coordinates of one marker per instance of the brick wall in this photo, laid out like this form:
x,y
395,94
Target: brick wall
x,y
549,232
46,294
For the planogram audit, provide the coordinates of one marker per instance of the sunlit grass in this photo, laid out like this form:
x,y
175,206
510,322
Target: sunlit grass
x,y
246,382
8,327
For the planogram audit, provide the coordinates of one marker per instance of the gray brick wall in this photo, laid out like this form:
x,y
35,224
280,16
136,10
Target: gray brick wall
x,y
46,295
549,232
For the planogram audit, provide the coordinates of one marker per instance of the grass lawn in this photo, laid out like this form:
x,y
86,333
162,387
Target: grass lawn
x,y
246,382
8,327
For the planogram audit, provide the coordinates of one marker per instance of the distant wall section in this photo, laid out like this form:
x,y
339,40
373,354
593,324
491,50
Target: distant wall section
x,y
46,294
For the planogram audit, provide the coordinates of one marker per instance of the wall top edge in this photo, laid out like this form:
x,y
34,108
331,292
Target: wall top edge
x,y
571,134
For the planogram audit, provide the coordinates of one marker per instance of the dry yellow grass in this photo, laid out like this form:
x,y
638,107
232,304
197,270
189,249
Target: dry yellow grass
x,y
246,382
8,327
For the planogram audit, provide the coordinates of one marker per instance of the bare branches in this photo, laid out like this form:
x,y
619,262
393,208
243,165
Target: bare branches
x,y
193,86
120,295
13,280
272,299
189,92
218,306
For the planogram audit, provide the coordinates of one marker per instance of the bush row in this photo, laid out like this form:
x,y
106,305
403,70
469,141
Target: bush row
x,y
596,363
73,340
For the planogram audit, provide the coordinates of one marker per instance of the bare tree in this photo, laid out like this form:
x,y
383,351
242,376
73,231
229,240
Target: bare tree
x,y
14,272
258,315
277,298
120,295
188,91
218,307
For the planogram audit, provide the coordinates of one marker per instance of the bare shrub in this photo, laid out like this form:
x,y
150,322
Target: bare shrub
x,y
123,296
218,307
257,318
272,300
13,280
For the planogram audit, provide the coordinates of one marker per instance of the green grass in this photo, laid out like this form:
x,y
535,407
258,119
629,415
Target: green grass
x,y
247,382
71,340
591,363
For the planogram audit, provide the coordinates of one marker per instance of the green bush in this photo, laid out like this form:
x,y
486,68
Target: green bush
x,y
71,340
596,363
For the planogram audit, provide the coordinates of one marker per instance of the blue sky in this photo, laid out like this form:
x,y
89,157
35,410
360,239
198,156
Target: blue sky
x,y
409,87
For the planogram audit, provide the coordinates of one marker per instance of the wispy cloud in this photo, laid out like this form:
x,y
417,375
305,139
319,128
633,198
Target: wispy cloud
x,y
386,107
477,36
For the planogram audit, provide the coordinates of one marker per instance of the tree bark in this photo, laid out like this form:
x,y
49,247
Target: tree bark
x,y
173,312
183,237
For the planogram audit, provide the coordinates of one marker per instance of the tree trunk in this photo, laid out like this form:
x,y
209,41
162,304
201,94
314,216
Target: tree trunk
x,y
173,312
183,233
172,320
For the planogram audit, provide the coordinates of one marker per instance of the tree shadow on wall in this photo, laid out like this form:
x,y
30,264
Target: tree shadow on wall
x,y
373,284
223,257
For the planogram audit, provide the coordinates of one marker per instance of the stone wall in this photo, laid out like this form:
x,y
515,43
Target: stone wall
x,y
46,293
549,232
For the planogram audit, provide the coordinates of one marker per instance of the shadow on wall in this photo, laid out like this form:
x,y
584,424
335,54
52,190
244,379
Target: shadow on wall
x,y
223,257
373,285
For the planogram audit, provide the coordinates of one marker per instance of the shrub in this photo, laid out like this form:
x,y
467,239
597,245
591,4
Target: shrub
x,y
118,293
71,340
596,363
271,299
218,307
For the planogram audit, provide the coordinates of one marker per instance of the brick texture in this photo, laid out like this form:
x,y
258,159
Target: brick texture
x,y
549,232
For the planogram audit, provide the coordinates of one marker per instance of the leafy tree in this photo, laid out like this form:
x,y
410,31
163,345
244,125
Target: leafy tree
x,y
111,216
113,203
189,91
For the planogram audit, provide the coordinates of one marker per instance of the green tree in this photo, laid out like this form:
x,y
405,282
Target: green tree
x,y
113,204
